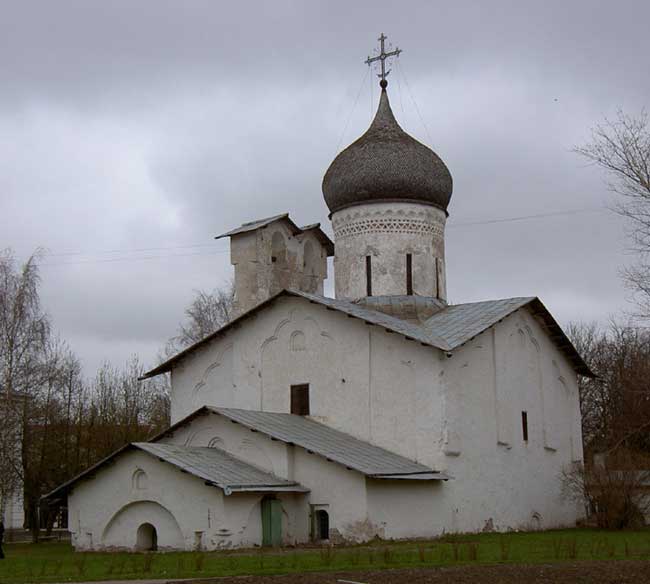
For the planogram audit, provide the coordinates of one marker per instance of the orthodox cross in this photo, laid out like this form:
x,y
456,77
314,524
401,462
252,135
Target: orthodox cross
x,y
381,57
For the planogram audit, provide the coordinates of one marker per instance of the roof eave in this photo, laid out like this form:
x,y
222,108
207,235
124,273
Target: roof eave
x,y
560,339
167,366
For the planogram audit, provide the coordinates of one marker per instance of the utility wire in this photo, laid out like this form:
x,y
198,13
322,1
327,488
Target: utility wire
x,y
131,250
528,217
415,103
347,123
127,259
452,224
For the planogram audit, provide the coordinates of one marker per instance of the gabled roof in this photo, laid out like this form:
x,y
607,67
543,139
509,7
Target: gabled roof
x,y
219,468
213,465
259,223
447,330
331,444
458,323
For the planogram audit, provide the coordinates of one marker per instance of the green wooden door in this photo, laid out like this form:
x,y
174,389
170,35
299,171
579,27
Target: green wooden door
x,y
271,522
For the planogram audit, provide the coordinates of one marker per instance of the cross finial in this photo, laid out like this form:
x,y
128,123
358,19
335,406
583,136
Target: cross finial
x,y
381,57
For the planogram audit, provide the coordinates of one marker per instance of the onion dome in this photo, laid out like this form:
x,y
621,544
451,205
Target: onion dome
x,y
386,164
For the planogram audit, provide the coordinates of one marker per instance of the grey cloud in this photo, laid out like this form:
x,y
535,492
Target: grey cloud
x,y
158,124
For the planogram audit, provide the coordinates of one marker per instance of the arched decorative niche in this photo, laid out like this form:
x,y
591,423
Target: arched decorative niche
x,y
278,249
122,529
139,480
297,341
309,259
215,442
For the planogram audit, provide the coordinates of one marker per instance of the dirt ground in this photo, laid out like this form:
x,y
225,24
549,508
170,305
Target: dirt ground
x,y
612,572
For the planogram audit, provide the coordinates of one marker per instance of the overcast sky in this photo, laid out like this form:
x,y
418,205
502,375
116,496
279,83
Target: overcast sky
x,y
133,132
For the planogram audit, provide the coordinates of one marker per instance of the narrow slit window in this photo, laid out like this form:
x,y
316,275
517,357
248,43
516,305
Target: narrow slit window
x,y
300,399
409,274
437,277
368,276
524,425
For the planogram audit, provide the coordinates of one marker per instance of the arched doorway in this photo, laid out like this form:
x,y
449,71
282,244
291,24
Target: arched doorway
x,y
322,525
147,539
121,532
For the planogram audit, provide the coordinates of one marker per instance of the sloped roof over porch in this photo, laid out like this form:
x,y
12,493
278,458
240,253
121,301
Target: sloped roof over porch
x,y
319,439
214,466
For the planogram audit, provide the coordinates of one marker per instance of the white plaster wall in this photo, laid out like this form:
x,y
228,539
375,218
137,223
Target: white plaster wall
x,y
363,380
342,491
407,509
461,414
500,480
105,512
387,232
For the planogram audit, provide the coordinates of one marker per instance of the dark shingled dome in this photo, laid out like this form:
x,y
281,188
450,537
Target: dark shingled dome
x,y
386,164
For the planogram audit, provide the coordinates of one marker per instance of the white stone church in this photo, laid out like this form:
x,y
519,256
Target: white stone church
x,y
383,412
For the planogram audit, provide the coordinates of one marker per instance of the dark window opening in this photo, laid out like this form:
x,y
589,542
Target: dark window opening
x,y
300,399
524,425
437,276
409,274
368,276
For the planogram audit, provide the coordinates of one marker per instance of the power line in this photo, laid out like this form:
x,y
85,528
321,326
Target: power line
x,y
527,217
129,259
90,260
129,250
415,103
345,128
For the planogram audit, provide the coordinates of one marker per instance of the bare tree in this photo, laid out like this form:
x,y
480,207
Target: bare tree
x,y
613,487
53,423
615,405
207,312
622,148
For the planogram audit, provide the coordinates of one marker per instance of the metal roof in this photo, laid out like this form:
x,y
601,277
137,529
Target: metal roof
x,y
213,465
259,223
329,443
218,468
253,225
459,323
446,330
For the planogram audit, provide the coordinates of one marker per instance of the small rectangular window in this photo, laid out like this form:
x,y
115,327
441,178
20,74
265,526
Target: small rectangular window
x,y
368,276
300,399
409,274
524,425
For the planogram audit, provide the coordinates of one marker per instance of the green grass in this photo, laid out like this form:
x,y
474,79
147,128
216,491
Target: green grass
x,y
56,562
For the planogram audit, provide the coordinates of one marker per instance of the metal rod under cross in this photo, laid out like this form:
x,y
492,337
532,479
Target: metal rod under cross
x,y
381,57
